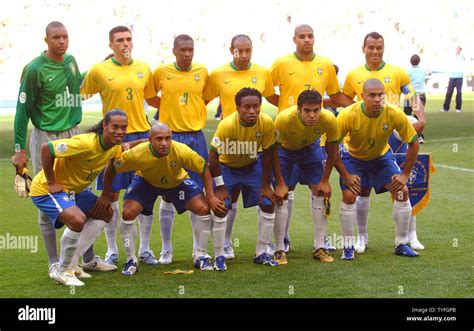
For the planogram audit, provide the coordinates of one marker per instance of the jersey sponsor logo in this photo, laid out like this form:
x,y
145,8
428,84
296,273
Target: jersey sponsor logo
x,y
254,80
169,78
61,148
51,78
22,97
386,79
197,78
360,81
385,126
320,71
292,73
111,79
227,82
173,164
258,134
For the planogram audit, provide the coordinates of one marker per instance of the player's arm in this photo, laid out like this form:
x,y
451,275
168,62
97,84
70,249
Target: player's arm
x,y
47,159
133,143
273,99
281,190
154,101
398,181
338,100
265,190
103,202
215,170
332,152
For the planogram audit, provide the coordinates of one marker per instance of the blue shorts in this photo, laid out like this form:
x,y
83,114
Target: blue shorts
x,y
146,194
197,142
122,180
248,179
54,204
374,173
308,164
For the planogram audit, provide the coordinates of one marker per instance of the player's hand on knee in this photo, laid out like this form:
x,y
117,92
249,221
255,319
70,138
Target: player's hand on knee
x,y
266,192
217,205
221,193
55,188
102,207
353,183
398,182
281,193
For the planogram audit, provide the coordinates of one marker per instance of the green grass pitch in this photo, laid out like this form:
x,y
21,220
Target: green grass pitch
x,y
444,269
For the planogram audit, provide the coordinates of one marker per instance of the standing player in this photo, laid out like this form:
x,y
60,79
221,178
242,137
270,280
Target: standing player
x,y
160,170
124,83
396,82
298,128
235,163
368,125
61,191
182,108
224,82
49,96
299,71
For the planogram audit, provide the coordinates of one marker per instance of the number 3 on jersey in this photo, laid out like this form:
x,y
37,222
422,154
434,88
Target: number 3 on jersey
x,y
129,93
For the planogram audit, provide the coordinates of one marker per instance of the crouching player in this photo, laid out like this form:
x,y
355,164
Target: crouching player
x,y
368,125
160,167
60,190
235,163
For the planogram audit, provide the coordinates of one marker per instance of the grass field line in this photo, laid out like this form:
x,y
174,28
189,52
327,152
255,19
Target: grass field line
x,y
453,168
447,139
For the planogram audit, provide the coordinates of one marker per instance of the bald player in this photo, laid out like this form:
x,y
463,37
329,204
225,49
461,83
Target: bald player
x,y
304,70
368,125
160,166
396,82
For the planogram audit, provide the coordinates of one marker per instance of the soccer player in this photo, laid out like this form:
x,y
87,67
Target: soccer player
x,y
299,71
298,128
182,108
49,96
160,166
61,191
125,83
396,82
368,125
224,82
235,163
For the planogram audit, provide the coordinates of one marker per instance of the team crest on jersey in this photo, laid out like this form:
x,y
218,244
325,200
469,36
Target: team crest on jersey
x,y
140,75
258,134
22,97
385,126
254,80
173,164
197,78
386,79
72,68
317,131
320,71
61,148
216,141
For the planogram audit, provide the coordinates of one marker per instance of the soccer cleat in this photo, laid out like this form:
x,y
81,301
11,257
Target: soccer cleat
x,y
348,253
130,268
52,268
97,264
66,277
270,248
265,259
327,245
361,244
322,255
458,110
421,139
229,252
203,263
111,258
166,257
148,258
280,257
80,273
405,250
444,110
415,244
286,242
219,263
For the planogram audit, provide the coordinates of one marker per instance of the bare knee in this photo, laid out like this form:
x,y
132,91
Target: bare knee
x,y
76,222
201,209
348,197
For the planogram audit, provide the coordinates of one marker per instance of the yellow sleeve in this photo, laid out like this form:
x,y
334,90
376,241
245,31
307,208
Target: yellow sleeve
x,y
216,141
268,134
341,121
191,160
275,73
348,88
90,85
64,148
333,83
404,128
210,91
279,129
332,129
125,161
269,89
405,84
150,90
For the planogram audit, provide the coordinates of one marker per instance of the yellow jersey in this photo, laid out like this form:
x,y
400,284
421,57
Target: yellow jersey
x,y
161,171
78,161
225,81
182,105
367,138
238,145
395,80
292,134
294,75
124,87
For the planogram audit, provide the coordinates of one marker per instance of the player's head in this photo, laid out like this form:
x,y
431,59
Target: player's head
x,y
248,101
160,139
120,41
304,39
183,50
241,50
309,107
57,38
373,95
113,127
415,60
373,48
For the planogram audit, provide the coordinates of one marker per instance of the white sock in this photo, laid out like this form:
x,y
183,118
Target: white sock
x,y
111,230
166,224
281,217
347,216
401,216
202,229
319,220
412,230
49,237
291,197
231,213
265,231
128,233
362,207
219,224
89,235
69,242
146,222
192,219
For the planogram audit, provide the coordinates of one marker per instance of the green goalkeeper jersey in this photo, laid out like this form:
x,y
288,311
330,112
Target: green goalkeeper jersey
x,y
49,95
